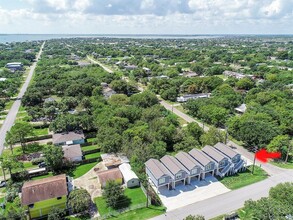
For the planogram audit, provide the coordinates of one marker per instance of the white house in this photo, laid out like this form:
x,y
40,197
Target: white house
x,y
130,178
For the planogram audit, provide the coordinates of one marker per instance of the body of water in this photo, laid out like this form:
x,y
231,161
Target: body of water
x,y
8,38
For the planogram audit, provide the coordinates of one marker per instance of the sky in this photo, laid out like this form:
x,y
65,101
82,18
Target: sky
x,y
146,16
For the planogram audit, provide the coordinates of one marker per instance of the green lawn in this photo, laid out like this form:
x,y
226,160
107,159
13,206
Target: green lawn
x,y
29,165
40,131
141,214
30,148
136,197
22,114
245,178
288,165
90,140
43,176
94,155
8,104
91,147
82,169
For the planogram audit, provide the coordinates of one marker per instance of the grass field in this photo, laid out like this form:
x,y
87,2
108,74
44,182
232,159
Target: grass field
x,y
135,196
288,165
82,169
40,131
245,178
43,176
91,147
94,155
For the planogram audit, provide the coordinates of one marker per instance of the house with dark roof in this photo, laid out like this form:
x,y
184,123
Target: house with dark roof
x,y
72,152
224,165
68,138
157,173
176,170
208,164
38,196
238,163
193,167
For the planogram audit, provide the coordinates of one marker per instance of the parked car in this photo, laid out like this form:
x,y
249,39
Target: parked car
x,y
42,164
2,183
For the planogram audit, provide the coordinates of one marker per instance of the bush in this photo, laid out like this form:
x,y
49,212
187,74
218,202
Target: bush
x,y
36,161
79,200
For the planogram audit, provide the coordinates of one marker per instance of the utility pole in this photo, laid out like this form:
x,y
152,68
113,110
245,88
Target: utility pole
x,y
147,192
226,135
255,150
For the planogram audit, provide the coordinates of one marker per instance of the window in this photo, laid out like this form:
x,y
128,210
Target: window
x,y
222,163
31,206
58,198
132,181
209,166
161,180
194,171
178,176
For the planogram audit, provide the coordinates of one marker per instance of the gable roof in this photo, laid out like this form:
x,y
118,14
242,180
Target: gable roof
x,y
68,136
213,153
156,168
188,161
199,156
225,150
127,172
107,175
39,190
173,165
71,151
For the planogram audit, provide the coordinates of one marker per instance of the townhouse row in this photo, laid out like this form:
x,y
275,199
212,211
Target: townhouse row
x,y
184,167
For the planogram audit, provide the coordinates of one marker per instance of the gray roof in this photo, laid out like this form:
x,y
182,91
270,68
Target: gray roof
x,y
202,158
213,153
225,150
68,136
188,161
156,168
71,151
173,165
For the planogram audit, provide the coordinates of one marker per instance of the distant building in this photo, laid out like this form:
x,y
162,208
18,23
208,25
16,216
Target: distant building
x,y
111,160
72,152
68,138
14,66
241,109
129,177
130,67
235,74
186,97
190,74
2,79
39,195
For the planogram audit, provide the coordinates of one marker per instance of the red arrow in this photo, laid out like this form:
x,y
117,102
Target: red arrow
x,y
263,155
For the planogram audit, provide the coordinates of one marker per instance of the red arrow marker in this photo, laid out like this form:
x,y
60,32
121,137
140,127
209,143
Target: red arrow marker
x,y
263,156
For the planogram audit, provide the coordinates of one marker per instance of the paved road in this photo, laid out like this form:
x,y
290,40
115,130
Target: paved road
x,y
230,201
9,121
100,64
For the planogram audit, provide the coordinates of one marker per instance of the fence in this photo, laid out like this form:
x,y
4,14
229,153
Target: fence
x,y
120,211
146,194
91,151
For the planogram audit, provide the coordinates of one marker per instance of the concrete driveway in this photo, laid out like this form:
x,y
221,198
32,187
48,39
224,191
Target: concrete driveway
x,y
187,194
90,181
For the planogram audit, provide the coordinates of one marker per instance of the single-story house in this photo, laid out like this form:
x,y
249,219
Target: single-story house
x,y
176,170
193,167
209,165
68,138
108,175
72,152
224,165
238,163
112,160
241,109
14,66
130,178
186,97
38,196
157,173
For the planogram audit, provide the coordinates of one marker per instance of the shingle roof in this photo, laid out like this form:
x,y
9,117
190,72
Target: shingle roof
x,y
156,168
172,164
213,153
107,175
71,151
225,150
38,190
198,155
188,161
68,136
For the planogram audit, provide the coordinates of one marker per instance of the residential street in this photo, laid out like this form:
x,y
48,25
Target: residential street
x,y
100,64
9,121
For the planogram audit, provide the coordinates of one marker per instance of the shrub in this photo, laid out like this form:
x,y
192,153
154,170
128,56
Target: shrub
x,y
37,160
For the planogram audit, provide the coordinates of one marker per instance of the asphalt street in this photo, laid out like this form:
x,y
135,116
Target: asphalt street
x,y
11,116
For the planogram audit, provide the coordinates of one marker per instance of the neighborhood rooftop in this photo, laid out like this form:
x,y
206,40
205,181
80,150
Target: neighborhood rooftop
x,y
43,189
172,164
187,160
107,175
213,153
198,155
68,136
156,168
225,150
71,151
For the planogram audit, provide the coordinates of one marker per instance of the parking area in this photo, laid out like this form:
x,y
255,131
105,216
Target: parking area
x,y
187,194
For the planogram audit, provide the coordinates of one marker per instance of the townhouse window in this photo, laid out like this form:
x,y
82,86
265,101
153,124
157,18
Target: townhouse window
x,y
222,163
208,167
162,180
178,176
194,171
